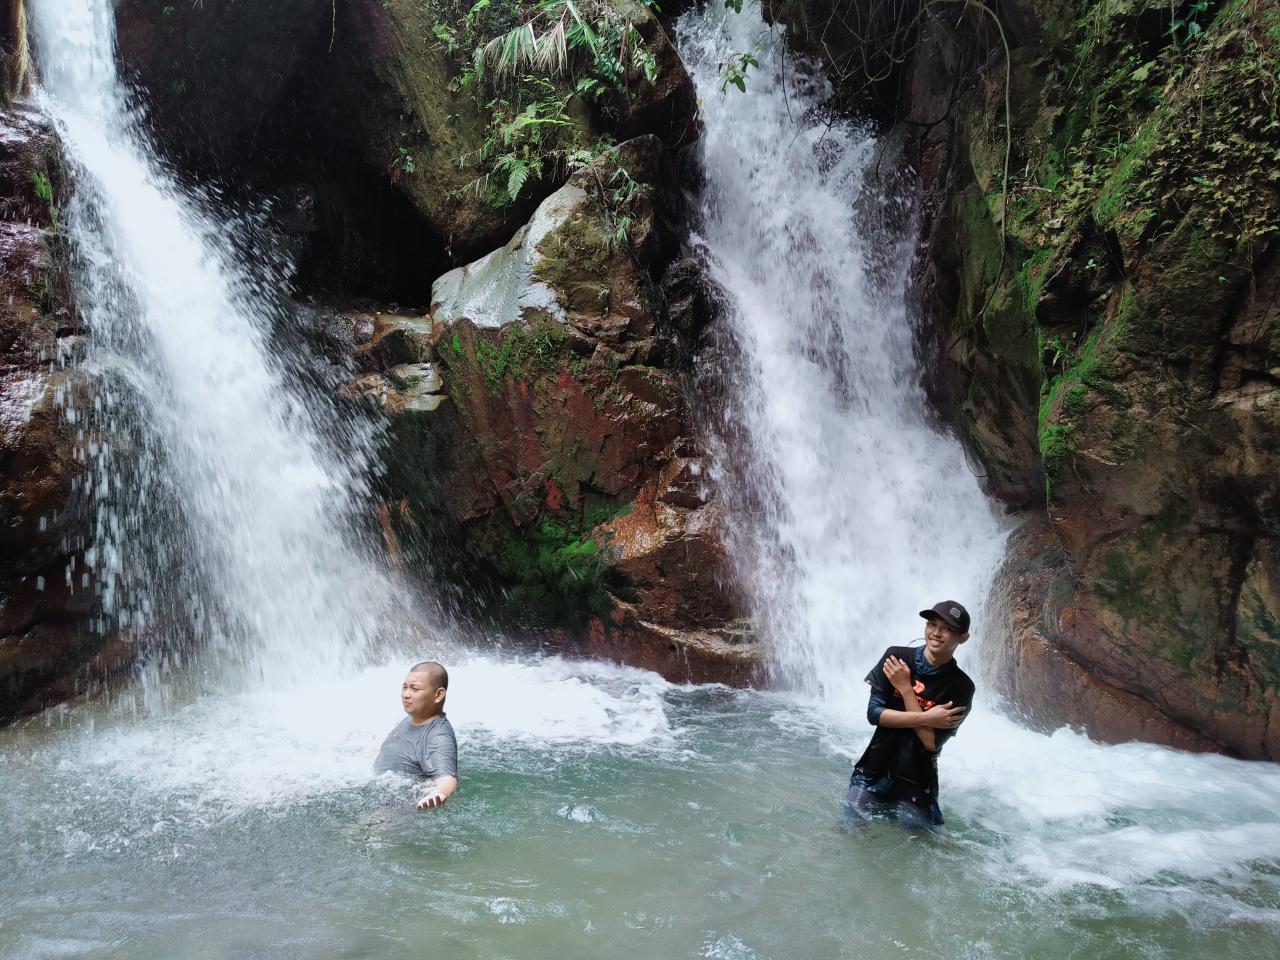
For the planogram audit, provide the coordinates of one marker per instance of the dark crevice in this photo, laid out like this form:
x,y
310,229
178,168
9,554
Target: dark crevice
x,y
1233,364
1230,652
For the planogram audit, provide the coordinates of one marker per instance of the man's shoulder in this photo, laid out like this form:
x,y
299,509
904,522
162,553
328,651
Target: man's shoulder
x,y
440,727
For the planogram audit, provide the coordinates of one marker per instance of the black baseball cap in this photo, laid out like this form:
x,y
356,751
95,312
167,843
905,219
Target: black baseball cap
x,y
951,613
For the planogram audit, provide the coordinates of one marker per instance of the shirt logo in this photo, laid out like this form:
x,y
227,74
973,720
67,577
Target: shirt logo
x,y
918,689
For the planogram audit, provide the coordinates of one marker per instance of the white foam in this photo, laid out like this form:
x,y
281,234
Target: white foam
x,y
279,746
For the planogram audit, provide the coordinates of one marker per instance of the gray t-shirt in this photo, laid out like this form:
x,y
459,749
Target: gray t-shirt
x,y
430,750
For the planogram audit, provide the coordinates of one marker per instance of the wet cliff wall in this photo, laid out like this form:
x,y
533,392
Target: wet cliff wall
x,y
1099,274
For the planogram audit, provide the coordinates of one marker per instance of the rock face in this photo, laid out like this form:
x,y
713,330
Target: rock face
x,y
1109,346
540,449
14,56
368,91
47,643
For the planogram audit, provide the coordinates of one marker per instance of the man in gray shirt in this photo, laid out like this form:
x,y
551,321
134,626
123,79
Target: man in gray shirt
x,y
423,744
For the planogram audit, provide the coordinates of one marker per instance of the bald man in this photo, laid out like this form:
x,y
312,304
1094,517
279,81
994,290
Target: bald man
x,y
422,744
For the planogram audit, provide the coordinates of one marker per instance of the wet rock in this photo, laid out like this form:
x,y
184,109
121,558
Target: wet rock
x,y
728,654
556,485
362,91
1106,343
669,549
49,647
1047,680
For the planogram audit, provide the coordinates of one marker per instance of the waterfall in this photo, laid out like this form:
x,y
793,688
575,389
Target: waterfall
x,y
225,489
848,512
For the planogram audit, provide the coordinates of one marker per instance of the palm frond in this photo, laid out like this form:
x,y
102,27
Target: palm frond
x,y
508,53
553,50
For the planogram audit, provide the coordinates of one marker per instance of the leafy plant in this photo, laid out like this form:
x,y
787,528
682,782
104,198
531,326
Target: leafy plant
x,y
528,70
403,162
521,143
563,34
44,190
1187,28
734,70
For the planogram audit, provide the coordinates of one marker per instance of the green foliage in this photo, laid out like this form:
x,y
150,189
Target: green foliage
x,y
558,572
1187,27
734,70
520,142
1056,445
536,71
519,353
44,190
1136,148
615,197
404,162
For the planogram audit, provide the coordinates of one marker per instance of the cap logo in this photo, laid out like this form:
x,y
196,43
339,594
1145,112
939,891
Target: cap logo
x,y
955,612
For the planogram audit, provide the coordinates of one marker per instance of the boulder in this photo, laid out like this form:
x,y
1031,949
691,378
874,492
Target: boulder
x,y
49,644
550,475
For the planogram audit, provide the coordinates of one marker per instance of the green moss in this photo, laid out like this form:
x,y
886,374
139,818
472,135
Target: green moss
x,y
575,261
557,571
1132,586
1056,445
1121,185
1029,279
516,352
44,191
1122,587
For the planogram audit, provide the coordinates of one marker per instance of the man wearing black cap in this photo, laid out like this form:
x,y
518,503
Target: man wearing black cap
x,y
919,696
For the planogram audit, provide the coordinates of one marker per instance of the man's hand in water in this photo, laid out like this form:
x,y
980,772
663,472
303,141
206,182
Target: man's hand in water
x,y
898,673
943,717
438,793
434,798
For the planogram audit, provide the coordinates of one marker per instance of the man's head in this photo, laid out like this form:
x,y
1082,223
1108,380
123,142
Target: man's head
x,y
423,691
946,629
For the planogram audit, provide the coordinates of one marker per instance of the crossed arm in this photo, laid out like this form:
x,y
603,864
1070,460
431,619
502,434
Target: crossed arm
x,y
940,717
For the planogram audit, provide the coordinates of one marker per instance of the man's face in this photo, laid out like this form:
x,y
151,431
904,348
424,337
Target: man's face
x,y
940,640
421,697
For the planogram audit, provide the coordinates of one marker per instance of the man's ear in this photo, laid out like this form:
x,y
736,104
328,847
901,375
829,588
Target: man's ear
x,y
963,638
441,693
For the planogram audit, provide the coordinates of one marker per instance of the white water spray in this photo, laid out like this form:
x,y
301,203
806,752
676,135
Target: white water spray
x,y
225,493
849,513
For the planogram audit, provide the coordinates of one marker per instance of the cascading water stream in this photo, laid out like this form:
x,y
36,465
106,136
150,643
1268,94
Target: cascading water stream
x,y
849,512
225,491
